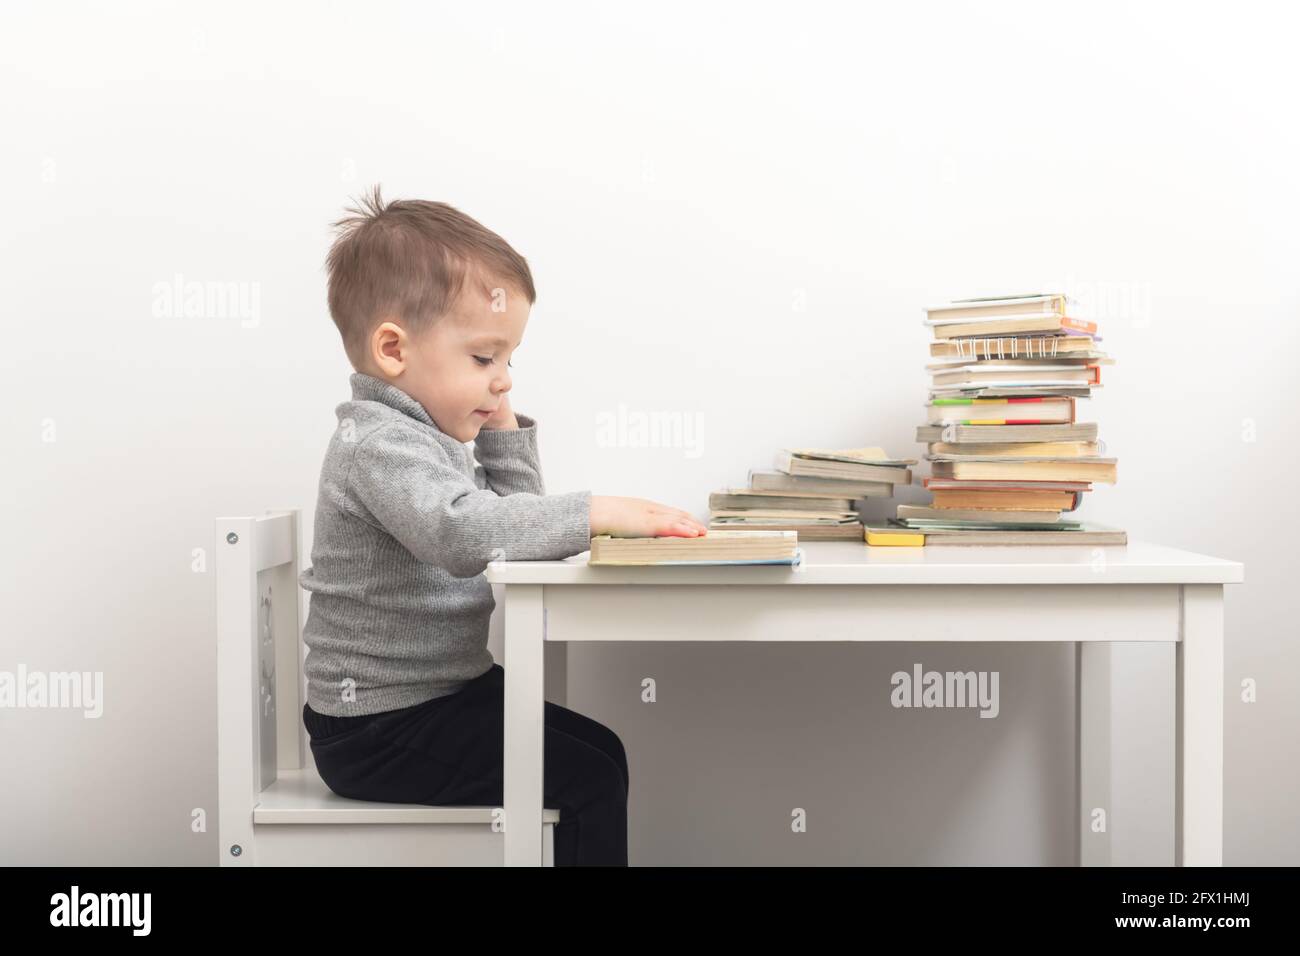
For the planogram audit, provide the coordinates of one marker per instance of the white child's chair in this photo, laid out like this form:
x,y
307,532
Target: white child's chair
x,y
273,807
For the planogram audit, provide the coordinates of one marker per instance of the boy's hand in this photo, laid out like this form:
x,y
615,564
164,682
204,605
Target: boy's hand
x,y
640,518
503,417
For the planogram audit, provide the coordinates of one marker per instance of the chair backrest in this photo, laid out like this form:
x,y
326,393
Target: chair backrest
x,y
260,683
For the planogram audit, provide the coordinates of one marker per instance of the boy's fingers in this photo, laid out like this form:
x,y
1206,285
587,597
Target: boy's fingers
x,y
683,520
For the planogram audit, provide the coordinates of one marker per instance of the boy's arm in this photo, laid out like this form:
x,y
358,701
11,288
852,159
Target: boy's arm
x,y
406,481
510,459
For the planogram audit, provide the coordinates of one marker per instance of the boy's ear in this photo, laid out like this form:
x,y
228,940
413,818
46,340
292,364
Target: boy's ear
x,y
389,348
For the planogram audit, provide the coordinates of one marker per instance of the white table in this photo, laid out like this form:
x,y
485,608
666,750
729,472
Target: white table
x,y
1098,597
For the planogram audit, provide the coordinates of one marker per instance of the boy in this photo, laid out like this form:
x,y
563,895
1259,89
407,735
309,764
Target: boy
x,y
404,702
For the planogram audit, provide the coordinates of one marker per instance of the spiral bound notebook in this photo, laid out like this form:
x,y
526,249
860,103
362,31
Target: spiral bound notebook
x,y
1029,346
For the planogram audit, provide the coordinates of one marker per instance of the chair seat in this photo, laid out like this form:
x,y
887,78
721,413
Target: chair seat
x,y
301,796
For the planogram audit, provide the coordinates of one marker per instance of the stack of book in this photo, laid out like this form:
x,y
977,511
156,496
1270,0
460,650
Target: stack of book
x,y
1009,459
813,491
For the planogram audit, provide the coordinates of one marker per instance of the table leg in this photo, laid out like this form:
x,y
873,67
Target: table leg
x,y
1126,722
1092,745
524,724
1198,818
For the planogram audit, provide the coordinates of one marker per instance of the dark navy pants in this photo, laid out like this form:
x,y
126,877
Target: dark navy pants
x,y
449,751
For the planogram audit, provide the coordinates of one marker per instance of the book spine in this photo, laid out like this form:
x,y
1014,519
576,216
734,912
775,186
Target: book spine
x,y
992,401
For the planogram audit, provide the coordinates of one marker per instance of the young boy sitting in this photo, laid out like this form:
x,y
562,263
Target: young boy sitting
x,y
404,702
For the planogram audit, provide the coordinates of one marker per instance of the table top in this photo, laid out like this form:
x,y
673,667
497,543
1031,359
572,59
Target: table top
x,y
851,562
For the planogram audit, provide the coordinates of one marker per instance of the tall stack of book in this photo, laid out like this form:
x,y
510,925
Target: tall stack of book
x,y
813,491
1009,459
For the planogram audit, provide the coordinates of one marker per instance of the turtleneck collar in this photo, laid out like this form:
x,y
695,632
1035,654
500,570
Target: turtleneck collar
x,y
368,388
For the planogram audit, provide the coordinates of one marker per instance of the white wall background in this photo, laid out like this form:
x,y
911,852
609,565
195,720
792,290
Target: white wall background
x,y
732,211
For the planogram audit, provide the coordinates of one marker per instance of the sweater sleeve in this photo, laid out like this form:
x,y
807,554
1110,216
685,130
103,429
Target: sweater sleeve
x,y
510,459
405,480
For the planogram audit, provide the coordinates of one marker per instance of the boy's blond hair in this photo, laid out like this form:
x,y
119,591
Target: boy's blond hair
x,y
409,260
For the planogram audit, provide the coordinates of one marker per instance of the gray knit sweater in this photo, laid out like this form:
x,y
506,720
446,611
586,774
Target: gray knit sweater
x,y
406,522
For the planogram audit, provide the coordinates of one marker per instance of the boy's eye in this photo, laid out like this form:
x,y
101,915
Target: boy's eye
x,y
487,360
